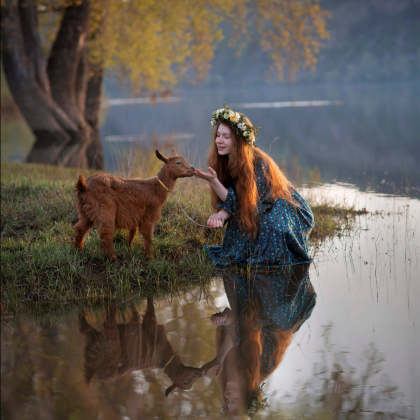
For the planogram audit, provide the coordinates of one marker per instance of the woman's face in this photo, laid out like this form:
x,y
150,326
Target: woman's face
x,y
224,140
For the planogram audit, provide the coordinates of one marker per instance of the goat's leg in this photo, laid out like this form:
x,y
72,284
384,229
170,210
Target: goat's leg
x,y
130,236
85,328
81,228
91,338
106,233
135,315
149,317
146,229
111,319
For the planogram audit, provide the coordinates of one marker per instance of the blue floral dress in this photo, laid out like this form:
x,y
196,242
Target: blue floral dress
x,y
287,300
283,230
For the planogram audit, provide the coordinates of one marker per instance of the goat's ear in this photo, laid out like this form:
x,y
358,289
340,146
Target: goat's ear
x,y
160,157
173,152
170,389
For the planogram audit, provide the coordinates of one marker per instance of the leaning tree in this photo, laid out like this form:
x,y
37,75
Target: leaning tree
x,y
55,52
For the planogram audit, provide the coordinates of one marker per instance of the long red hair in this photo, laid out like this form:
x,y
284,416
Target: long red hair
x,y
240,165
251,348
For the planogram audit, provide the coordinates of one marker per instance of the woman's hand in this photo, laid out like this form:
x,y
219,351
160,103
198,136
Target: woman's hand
x,y
217,220
214,222
223,318
209,176
216,363
218,319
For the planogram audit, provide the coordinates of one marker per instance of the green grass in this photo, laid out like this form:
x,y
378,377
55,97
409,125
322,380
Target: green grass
x,y
333,220
40,264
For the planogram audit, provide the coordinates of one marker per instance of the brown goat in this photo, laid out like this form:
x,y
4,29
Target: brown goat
x,y
110,203
136,345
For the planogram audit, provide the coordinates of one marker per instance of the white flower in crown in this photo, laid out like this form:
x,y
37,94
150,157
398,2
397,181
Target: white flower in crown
x,y
237,117
212,122
242,126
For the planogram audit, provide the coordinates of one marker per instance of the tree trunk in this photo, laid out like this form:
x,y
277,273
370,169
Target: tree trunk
x,y
95,154
52,100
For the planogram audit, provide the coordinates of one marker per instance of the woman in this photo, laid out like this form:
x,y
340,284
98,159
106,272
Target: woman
x,y
252,336
268,222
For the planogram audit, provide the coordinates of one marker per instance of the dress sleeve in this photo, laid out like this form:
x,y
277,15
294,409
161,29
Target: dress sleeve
x,y
231,202
265,201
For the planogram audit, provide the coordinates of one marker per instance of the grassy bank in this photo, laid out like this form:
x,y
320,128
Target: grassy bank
x,y
39,263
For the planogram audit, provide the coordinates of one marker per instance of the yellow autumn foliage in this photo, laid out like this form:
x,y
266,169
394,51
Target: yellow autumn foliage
x,y
291,31
152,43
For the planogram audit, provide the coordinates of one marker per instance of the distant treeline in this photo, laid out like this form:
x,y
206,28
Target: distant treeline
x,y
370,41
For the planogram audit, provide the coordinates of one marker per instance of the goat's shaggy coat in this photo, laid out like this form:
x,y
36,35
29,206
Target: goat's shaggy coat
x,y
110,203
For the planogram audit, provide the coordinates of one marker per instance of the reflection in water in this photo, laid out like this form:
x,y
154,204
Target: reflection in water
x,y
335,391
267,308
136,345
367,287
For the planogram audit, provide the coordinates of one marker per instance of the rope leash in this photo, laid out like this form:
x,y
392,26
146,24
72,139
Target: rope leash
x,y
189,329
198,224
176,197
183,342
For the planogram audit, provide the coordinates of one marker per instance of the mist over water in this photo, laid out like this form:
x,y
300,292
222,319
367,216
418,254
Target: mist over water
x,y
362,134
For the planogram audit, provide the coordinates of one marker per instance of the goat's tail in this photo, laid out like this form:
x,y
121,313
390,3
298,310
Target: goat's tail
x,y
81,185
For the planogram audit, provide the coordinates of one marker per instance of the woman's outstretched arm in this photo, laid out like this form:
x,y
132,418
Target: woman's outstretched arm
x,y
211,178
216,220
217,362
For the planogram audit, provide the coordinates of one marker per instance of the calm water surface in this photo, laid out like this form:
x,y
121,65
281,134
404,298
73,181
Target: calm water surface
x,y
367,135
355,351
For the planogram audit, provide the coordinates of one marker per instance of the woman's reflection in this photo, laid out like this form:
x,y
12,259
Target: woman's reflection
x,y
267,308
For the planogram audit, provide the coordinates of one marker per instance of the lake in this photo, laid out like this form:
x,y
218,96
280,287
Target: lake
x,y
355,351
366,135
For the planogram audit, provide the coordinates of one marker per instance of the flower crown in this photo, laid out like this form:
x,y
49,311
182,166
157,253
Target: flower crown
x,y
258,403
237,122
